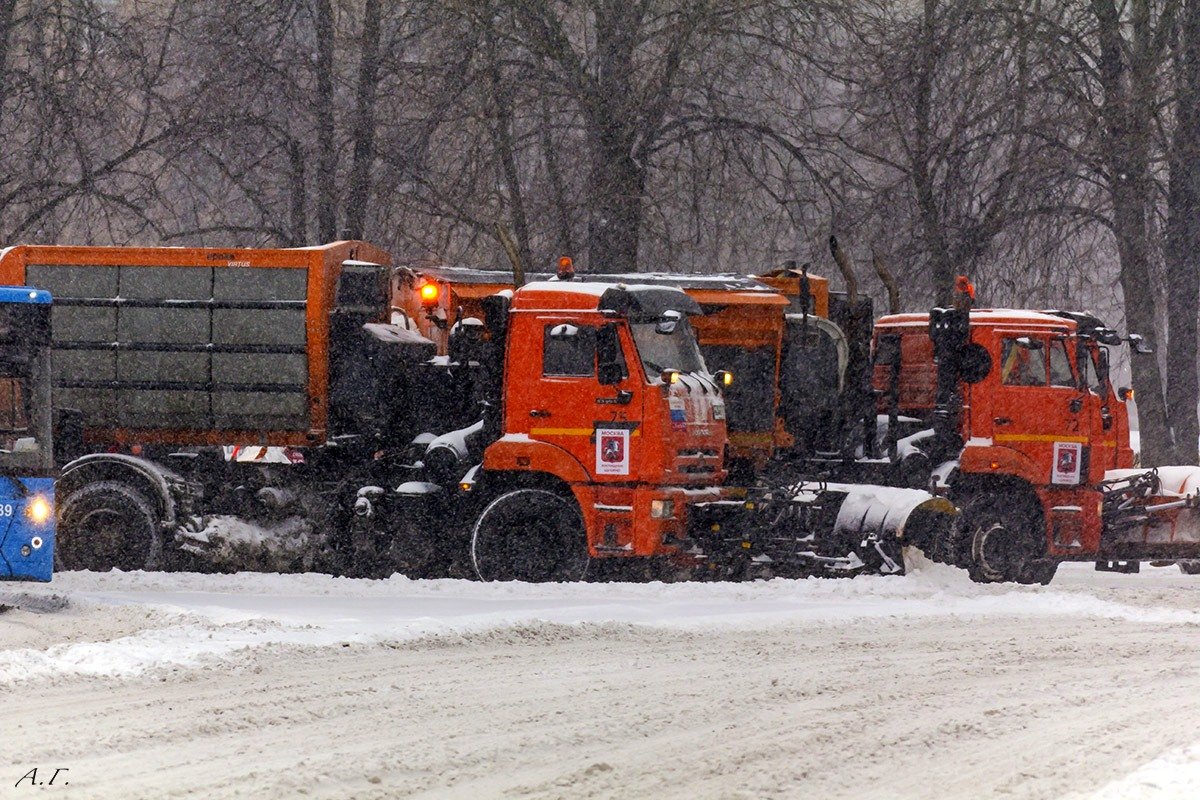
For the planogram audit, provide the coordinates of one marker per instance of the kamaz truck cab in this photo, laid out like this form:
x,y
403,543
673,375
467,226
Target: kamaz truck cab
x,y
1034,442
609,428
27,522
600,427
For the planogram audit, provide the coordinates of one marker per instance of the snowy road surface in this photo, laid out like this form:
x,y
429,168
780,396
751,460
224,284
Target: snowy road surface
x,y
154,685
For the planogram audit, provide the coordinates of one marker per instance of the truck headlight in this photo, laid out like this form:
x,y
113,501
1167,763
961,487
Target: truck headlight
x,y
38,510
662,509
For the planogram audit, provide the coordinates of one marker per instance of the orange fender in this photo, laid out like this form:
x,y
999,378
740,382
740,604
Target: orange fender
x,y
993,460
519,453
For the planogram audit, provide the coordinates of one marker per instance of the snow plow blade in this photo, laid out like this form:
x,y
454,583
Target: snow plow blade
x,y
910,516
1152,512
816,528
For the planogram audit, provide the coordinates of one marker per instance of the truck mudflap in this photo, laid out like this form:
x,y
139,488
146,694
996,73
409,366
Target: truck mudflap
x,y
818,528
1151,512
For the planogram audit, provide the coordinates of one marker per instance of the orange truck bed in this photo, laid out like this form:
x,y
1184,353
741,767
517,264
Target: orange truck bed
x,y
189,346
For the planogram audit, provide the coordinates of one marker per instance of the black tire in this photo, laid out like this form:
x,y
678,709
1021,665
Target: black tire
x,y
533,535
999,539
108,524
1189,566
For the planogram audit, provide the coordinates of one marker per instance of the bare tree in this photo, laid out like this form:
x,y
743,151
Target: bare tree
x,y
1183,240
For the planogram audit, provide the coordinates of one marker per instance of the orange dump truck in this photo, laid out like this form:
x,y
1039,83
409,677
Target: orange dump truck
x,y
211,387
601,428
238,408
1015,414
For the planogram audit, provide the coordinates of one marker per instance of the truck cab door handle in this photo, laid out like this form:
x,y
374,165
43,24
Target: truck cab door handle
x,y
1002,421
539,412
623,398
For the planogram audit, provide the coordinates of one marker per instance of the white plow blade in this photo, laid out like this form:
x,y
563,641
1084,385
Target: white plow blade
x,y
887,510
1178,520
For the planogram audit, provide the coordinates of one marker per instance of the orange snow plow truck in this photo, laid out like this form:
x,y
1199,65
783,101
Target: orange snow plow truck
x,y
243,409
1014,414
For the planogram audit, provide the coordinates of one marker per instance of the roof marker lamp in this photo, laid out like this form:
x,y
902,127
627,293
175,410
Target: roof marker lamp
x,y
669,376
429,294
724,378
566,268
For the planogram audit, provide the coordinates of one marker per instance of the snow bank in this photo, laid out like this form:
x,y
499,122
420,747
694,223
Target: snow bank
x,y
211,618
1173,776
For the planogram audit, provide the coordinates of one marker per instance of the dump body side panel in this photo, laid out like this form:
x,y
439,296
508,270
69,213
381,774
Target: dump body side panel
x,y
192,345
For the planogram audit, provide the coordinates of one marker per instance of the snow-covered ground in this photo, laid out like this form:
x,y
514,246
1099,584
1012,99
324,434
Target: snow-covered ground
x,y
154,685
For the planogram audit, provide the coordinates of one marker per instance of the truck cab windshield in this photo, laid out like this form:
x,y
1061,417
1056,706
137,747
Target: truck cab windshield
x,y
675,350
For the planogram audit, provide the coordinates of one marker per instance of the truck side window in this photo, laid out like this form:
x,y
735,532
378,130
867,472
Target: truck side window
x,y
1060,365
1093,377
1022,361
569,351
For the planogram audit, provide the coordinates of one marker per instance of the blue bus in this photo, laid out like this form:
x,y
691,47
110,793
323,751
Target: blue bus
x,y
26,450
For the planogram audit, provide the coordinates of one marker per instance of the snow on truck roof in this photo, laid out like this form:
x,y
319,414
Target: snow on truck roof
x,y
720,289
723,281
588,295
985,317
498,277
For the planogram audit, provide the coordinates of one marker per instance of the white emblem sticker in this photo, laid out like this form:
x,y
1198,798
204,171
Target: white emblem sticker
x,y
1068,461
612,451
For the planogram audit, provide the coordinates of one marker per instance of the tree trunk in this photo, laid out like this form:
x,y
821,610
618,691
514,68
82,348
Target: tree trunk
x,y
1128,112
502,133
941,270
1129,213
564,239
299,195
616,182
359,192
615,187
7,12
326,146
1183,243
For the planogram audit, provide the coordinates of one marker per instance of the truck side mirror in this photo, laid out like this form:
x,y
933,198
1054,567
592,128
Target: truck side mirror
x,y
1139,344
974,364
610,369
495,313
1102,367
887,351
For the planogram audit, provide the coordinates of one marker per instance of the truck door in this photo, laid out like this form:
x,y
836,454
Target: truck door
x,y
1038,410
597,423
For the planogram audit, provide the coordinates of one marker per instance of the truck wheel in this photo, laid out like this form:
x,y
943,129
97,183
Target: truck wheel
x,y
108,524
530,535
1189,566
1000,540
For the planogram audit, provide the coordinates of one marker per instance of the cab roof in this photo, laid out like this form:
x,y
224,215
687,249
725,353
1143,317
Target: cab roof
x,y
988,318
720,289
634,300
